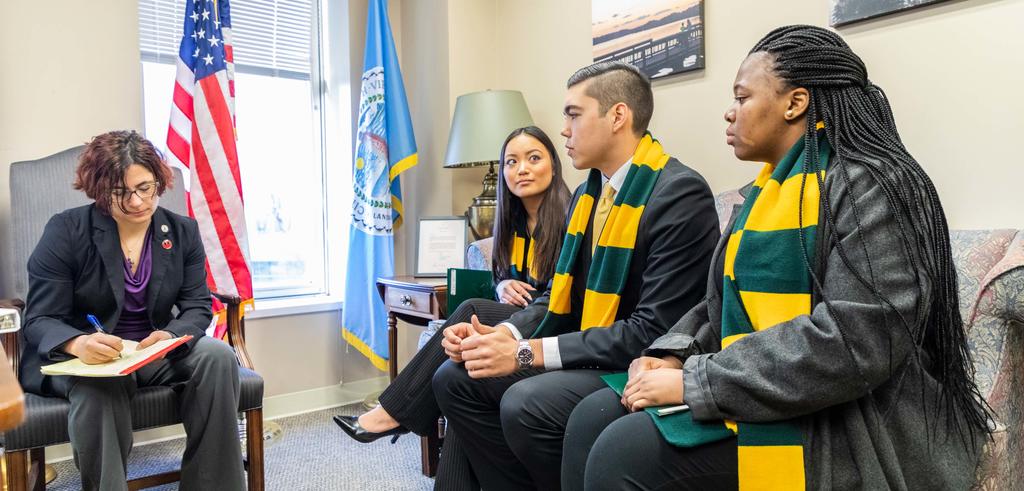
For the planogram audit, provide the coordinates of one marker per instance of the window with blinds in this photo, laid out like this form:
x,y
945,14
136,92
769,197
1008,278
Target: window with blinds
x,y
279,132
270,37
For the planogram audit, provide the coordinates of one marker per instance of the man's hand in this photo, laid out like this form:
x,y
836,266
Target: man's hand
x,y
94,348
656,387
452,341
515,292
153,338
489,353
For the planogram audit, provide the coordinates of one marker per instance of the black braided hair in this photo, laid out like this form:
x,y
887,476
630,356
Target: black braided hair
x,y
861,129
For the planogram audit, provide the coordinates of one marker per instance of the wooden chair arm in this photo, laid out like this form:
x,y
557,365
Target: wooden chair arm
x,y
236,327
12,347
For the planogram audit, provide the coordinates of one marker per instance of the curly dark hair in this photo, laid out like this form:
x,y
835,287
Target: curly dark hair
x,y
102,165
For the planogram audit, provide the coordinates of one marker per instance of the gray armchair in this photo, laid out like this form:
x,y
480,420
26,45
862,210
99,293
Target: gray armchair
x,y
40,189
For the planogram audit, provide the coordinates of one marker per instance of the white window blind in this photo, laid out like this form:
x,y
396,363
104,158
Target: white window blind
x,y
271,37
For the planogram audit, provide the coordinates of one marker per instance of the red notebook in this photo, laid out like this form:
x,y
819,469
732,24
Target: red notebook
x,y
131,360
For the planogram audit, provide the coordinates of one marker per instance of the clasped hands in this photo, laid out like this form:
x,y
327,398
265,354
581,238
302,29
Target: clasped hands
x,y
484,350
99,347
653,382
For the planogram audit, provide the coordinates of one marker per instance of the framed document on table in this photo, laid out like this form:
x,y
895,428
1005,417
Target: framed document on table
x,y
440,244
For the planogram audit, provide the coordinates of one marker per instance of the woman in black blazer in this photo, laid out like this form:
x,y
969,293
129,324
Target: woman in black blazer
x,y
129,263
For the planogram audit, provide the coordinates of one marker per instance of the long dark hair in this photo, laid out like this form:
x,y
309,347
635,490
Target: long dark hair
x,y
861,129
510,214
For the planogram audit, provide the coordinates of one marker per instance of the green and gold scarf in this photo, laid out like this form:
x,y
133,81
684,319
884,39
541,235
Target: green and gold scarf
x,y
765,283
521,263
610,266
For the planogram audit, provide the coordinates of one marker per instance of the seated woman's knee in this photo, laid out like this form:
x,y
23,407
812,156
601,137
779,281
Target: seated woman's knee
x,y
469,307
216,353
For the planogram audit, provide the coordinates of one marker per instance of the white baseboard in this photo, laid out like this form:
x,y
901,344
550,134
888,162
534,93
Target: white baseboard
x,y
275,407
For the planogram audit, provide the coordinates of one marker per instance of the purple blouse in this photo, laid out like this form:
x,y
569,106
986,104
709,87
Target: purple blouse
x,y
134,323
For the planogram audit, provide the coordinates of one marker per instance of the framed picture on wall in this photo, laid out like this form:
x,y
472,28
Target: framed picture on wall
x,y
660,37
440,244
848,11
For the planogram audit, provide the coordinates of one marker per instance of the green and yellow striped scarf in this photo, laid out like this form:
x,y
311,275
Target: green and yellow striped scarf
x,y
766,283
610,266
522,260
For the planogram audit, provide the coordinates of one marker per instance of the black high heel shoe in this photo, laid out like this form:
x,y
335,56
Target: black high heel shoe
x,y
352,427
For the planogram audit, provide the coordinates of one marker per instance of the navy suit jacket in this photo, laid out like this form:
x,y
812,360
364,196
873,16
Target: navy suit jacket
x,y
78,268
667,276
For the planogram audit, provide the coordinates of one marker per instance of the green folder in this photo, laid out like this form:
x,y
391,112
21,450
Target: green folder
x,y
679,429
464,284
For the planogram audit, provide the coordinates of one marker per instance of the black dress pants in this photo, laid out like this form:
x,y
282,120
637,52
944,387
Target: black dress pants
x,y
511,427
609,448
410,398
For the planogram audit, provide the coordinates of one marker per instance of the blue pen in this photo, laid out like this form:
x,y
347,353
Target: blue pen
x,y
96,323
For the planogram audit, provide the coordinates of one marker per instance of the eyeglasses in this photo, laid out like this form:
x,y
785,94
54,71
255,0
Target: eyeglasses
x,y
145,191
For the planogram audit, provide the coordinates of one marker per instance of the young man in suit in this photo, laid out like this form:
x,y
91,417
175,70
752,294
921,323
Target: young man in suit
x,y
510,388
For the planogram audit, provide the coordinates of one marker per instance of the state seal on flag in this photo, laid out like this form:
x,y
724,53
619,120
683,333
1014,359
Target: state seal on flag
x,y
371,207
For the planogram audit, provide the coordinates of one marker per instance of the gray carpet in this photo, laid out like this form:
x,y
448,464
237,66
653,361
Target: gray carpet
x,y
312,454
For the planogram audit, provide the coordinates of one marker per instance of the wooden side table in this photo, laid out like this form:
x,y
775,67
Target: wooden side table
x,y
416,301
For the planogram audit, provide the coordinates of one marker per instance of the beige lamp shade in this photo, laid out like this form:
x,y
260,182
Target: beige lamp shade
x,y
480,125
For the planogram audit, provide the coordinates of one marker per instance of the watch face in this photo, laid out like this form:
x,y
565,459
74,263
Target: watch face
x,y
525,357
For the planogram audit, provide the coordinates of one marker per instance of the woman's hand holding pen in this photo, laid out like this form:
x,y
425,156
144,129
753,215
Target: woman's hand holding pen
x,y
95,348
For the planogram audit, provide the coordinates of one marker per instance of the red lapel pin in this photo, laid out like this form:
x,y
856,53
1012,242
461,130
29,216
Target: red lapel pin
x,y
166,244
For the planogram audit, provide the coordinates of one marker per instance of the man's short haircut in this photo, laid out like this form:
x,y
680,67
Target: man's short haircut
x,y
612,82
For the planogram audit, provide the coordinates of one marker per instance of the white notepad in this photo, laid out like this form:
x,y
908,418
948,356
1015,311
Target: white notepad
x,y
131,360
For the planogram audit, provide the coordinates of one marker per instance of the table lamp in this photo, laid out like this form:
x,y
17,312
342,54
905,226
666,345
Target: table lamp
x,y
480,125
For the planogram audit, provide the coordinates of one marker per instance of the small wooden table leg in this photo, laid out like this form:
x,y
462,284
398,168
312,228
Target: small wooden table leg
x,y
430,451
392,345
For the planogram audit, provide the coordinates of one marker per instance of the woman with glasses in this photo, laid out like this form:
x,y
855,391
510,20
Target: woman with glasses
x,y
128,262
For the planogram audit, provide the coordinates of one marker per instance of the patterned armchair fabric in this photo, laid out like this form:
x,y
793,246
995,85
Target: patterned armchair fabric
x,y
478,254
990,267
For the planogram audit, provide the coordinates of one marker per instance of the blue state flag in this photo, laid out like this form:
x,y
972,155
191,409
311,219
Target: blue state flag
x,y
385,147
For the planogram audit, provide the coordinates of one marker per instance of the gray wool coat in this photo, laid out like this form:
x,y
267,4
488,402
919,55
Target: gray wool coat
x,y
866,408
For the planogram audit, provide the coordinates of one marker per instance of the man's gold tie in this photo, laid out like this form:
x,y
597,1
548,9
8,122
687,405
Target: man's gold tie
x,y
604,207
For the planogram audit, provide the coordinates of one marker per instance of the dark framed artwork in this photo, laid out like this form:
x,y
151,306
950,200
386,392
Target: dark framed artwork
x,y
848,11
660,37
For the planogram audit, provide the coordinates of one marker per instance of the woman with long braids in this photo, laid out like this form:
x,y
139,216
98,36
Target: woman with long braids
x,y
528,229
829,352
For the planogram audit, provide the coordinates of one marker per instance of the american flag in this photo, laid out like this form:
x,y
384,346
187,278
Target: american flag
x,y
201,141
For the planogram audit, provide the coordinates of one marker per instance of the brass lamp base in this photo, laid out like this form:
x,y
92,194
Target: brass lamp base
x,y
481,212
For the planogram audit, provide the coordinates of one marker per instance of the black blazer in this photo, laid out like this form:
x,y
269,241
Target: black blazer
x,y
78,268
677,234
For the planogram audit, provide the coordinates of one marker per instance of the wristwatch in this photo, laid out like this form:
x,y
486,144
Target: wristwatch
x,y
524,356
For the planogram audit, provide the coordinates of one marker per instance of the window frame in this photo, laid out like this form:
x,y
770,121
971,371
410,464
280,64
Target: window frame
x,y
334,220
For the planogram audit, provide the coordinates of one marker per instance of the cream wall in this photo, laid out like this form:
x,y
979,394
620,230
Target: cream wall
x,y
41,111
952,72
